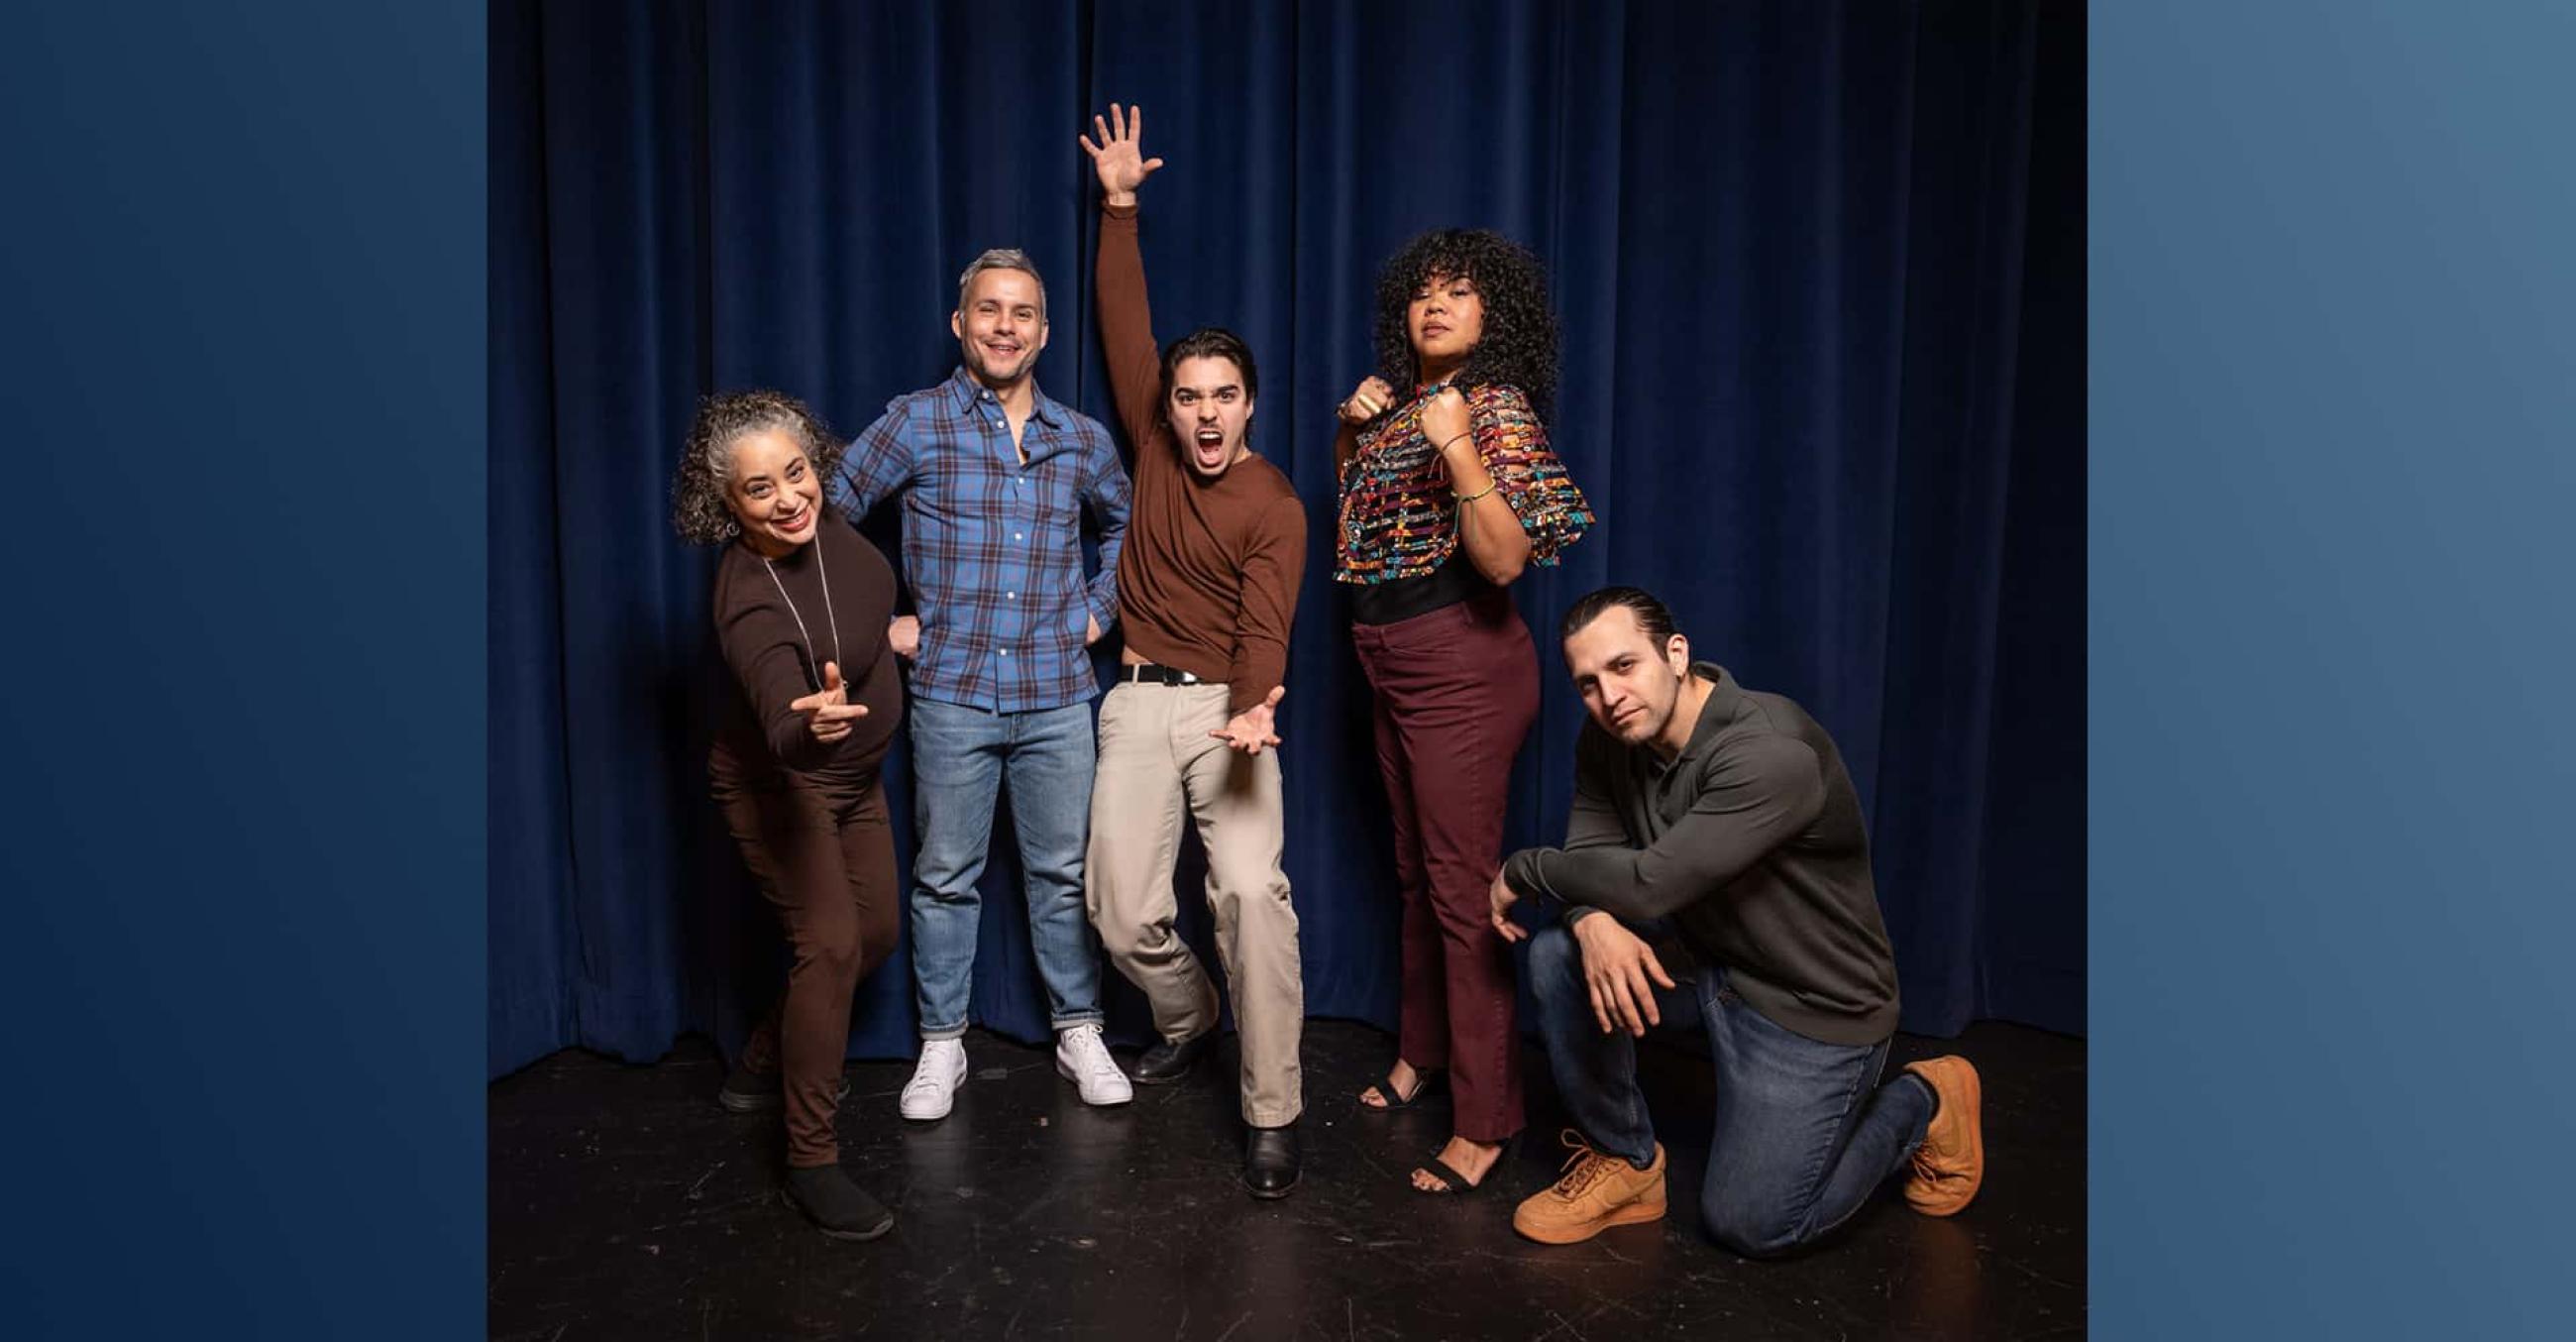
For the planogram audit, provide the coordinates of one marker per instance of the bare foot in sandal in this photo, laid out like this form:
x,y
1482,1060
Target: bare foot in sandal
x,y
1470,1161
1404,1077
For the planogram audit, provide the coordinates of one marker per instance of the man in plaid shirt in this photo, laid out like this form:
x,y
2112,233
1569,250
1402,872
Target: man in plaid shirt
x,y
995,477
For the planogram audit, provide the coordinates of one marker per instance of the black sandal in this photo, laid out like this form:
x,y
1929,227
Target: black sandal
x,y
1423,1084
1452,1183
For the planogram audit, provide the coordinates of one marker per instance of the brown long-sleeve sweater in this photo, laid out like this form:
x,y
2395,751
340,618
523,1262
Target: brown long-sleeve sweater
x,y
1208,580
778,631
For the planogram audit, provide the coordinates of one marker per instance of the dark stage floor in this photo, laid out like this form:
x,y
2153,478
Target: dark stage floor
x,y
626,1205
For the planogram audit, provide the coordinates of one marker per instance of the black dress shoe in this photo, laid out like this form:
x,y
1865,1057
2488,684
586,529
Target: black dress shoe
x,y
1270,1161
1166,1063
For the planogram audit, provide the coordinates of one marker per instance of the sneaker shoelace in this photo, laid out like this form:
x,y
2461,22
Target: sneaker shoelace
x,y
1583,1166
1084,1043
924,1079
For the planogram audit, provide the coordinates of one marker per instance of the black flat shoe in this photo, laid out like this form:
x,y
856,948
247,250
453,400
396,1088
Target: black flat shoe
x,y
1270,1161
837,1207
1166,1063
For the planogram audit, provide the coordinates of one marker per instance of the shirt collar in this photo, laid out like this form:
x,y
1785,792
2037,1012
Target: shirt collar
x,y
1723,696
966,391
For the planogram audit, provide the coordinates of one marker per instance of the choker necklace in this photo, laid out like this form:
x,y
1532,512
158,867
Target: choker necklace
x,y
813,664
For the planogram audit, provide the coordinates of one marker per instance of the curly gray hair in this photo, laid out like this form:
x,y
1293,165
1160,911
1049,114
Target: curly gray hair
x,y
698,509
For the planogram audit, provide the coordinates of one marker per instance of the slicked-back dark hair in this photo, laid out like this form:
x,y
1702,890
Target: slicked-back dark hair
x,y
698,510
1211,342
1652,615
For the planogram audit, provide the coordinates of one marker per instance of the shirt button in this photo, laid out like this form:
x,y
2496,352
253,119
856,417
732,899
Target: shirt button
x,y
1010,596
1017,536
997,423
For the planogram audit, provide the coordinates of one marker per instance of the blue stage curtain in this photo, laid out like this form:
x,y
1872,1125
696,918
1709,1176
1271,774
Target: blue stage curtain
x,y
1820,268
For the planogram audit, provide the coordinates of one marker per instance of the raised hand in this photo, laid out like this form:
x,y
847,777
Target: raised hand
x,y
1366,402
1251,729
828,711
1119,157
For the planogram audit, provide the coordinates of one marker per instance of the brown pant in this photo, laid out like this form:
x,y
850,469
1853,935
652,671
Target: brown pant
x,y
1157,762
1457,690
827,863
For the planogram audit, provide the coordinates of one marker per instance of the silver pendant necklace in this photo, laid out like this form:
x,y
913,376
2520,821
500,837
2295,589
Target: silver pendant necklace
x,y
814,665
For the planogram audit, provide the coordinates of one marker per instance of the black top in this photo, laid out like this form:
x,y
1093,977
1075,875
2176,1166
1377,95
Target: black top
x,y
1454,581
776,659
1751,842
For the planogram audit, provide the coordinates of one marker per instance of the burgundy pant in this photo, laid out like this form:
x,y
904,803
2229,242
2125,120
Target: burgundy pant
x,y
1457,689
827,863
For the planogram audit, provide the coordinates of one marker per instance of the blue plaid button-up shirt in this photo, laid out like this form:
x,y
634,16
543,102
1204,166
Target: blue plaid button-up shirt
x,y
993,548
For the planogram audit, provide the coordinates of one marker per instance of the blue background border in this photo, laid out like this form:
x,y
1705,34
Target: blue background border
x,y
242,279
2332,408
2333,401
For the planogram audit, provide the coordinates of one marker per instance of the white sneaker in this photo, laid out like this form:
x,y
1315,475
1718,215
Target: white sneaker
x,y
933,1087
1082,1059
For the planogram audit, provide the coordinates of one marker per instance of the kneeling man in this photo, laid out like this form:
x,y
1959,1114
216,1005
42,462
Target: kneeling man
x,y
1716,825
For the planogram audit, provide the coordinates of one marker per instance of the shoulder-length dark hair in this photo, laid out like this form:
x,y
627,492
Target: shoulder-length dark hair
x,y
1519,345
698,510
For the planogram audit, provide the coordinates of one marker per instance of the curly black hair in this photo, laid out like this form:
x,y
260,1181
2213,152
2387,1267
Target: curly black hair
x,y
698,510
1519,345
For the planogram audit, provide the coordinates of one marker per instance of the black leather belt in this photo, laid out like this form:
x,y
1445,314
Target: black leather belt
x,y
1151,674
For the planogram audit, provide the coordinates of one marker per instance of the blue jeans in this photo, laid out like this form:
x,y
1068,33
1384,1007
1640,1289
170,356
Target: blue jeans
x,y
960,758
1803,1135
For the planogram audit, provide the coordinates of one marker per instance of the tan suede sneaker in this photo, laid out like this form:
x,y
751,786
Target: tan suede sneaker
x,y
1597,1192
1951,1162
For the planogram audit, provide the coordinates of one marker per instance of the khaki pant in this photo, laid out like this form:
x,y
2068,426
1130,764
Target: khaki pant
x,y
1157,763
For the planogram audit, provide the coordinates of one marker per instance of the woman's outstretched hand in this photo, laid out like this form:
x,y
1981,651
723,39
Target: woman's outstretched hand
x,y
828,711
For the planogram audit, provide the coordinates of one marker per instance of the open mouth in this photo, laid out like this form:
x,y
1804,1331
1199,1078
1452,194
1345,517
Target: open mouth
x,y
1208,446
792,525
1002,349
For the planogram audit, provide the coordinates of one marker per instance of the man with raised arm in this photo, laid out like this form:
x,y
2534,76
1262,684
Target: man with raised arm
x,y
1207,588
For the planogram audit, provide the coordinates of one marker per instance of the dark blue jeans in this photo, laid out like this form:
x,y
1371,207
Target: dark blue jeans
x,y
1803,1133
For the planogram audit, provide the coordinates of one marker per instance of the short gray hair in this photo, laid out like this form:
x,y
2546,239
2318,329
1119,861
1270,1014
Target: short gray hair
x,y
1001,258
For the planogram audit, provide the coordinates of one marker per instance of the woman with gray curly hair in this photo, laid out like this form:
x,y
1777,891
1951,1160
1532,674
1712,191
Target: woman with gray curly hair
x,y
801,607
